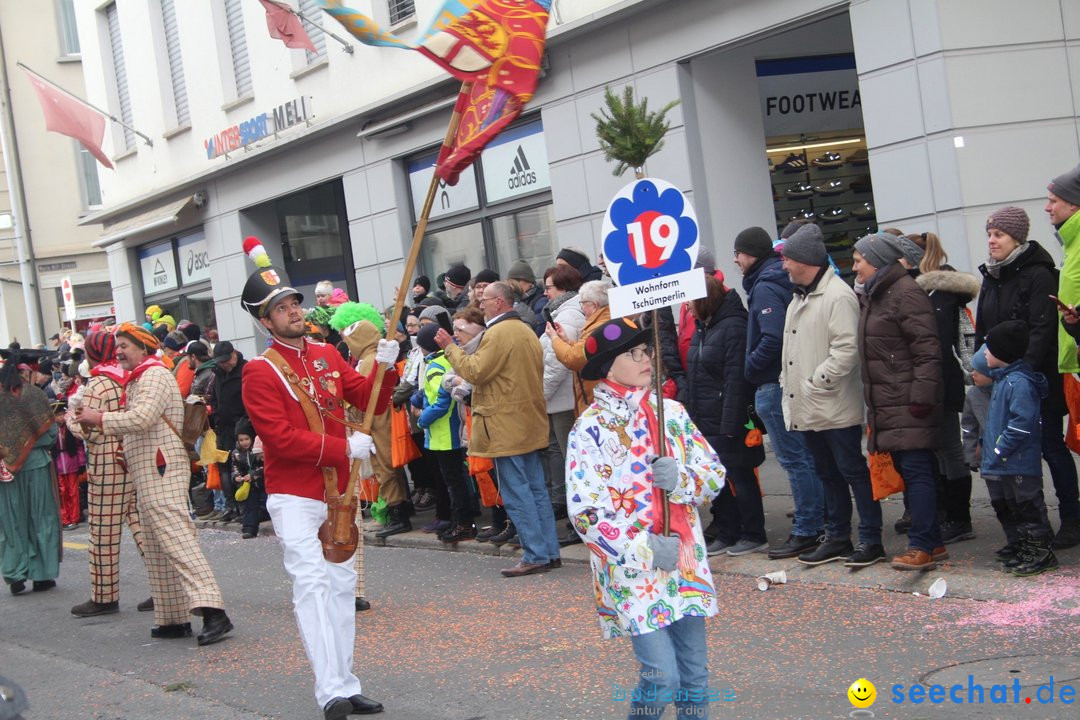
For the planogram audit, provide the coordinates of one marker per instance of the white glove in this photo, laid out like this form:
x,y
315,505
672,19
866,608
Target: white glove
x,y
387,352
361,446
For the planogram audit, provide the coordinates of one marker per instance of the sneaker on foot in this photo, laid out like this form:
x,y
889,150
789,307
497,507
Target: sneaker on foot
x,y
914,559
458,532
827,551
745,547
865,554
955,531
717,547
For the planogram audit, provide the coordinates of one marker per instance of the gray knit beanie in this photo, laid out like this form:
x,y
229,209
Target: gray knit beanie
x,y
806,245
1066,186
879,249
432,313
521,270
909,250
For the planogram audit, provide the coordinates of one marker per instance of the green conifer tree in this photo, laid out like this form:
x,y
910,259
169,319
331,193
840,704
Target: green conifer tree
x,y
627,131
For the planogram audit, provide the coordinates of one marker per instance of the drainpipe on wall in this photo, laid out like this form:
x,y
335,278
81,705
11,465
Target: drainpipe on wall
x,y
24,246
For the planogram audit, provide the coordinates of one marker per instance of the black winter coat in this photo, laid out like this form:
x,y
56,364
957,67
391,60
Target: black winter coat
x,y
228,404
1022,292
949,292
718,394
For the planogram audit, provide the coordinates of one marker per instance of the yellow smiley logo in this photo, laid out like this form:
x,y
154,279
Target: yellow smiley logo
x,y
862,693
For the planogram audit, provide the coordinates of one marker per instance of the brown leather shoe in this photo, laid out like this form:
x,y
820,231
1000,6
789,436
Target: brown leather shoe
x,y
914,559
940,553
524,568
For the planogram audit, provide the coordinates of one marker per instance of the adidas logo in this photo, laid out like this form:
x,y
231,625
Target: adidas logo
x,y
521,173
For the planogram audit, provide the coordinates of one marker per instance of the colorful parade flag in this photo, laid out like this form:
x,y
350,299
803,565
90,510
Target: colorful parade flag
x,y
284,25
493,46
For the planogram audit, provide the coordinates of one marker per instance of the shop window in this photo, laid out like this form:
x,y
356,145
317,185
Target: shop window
x,y
462,244
816,149
314,235
528,235
510,220
88,177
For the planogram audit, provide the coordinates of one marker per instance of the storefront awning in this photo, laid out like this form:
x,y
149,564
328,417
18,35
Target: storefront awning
x,y
159,217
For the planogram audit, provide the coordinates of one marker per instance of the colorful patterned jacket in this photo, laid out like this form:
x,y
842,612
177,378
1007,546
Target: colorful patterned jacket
x,y
609,497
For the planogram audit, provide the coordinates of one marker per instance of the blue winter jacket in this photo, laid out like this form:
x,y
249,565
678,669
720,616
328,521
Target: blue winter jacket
x,y
1012,435
769,290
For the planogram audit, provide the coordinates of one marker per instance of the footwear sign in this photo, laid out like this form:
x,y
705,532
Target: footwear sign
x,y
651,242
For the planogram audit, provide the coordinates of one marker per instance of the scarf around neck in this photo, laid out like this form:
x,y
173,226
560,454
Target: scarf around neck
x,y
138,370
994,266
112,371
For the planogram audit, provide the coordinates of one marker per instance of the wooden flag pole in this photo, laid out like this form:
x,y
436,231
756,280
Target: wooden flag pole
x,y
403,287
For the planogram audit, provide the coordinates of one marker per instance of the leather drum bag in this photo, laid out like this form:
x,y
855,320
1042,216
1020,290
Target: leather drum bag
x,y
338,534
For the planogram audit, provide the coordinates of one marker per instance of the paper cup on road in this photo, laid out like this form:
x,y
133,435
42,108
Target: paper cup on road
x,y
774,578
937,589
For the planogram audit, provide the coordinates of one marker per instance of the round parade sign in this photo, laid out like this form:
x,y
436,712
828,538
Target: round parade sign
x,y
650,231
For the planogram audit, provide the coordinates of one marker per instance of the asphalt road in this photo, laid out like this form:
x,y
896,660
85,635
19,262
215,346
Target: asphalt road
x,y
450,638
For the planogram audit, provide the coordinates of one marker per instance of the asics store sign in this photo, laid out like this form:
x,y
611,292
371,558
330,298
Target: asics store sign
x,y
516,163
816,94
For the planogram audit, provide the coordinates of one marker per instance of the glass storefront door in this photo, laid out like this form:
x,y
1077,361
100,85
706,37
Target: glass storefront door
x,y
527,235
463,244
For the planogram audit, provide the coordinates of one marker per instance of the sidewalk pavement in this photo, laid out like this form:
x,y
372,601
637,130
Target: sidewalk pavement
x,y
970,572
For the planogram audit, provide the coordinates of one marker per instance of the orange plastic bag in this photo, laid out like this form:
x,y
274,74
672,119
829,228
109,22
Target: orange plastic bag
x,y
368,489
1072,402
213,477
884,478
403,448
480,468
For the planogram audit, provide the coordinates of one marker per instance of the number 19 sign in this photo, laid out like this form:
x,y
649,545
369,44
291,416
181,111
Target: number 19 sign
x,y
650,245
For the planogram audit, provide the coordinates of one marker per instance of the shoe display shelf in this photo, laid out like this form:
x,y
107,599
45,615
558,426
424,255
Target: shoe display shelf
x,y
831,187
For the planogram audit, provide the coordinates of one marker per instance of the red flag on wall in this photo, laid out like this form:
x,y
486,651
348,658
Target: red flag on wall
x,y
286,26
68,116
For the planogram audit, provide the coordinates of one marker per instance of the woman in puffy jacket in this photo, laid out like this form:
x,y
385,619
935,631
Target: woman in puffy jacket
x,y
718,399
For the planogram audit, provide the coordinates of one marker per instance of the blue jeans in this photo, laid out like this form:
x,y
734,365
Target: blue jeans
x,y
1062,467
920,491
525,495
673,658
791,452
840,464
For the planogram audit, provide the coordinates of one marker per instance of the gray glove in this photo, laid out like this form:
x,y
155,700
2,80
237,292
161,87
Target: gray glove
x,y
665,551
665,473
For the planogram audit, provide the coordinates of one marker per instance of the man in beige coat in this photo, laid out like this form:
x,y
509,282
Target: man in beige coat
x,y
822,397
509,420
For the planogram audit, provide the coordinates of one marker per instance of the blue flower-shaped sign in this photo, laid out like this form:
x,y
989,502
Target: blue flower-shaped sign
x,y
649,231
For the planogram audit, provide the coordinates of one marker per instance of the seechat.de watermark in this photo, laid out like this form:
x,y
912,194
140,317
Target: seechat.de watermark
x,y
973,693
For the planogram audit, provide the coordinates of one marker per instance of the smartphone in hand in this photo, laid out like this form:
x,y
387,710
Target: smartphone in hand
x,y
549,317
1062,307
444,322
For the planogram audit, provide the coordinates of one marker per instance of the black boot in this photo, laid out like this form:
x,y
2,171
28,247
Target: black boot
x,y
398,523
1038,558
215,626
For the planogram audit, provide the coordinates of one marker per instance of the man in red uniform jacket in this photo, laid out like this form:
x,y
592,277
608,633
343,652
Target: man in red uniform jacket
x,y
295,457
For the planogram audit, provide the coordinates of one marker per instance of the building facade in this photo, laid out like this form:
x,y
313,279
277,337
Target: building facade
x,y
49,183
861,114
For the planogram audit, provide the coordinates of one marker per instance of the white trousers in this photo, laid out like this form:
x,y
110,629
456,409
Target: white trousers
x,y
322,595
